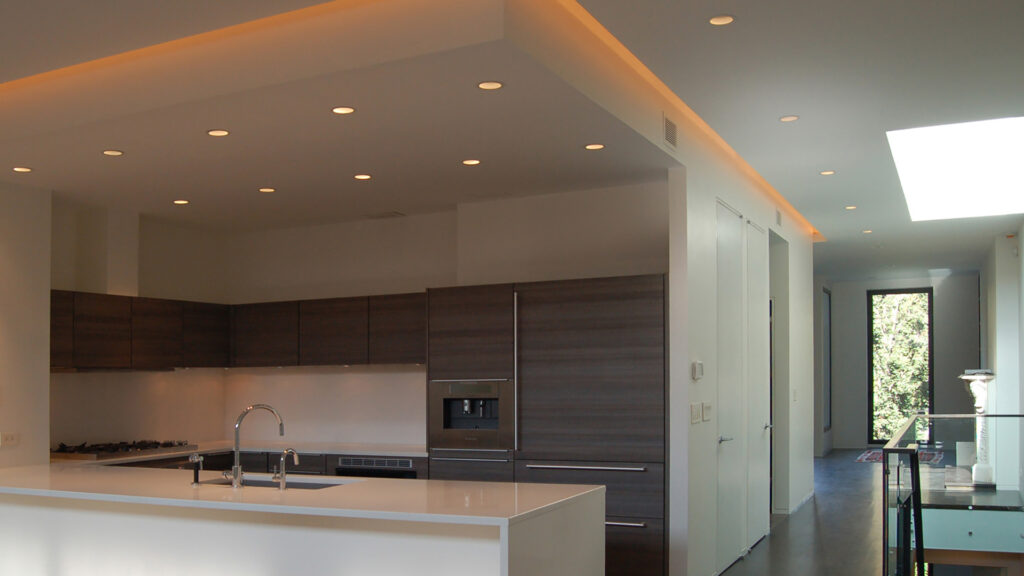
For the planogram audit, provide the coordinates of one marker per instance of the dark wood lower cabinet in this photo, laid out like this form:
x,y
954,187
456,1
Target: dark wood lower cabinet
x,y
308,463
471,465
634,546
633,489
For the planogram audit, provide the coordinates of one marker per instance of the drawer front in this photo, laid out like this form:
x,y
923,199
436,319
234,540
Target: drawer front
x,y
634,546
479,470
633,489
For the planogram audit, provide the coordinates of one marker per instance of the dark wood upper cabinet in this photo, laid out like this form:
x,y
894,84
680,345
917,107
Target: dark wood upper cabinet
x,y
333,331
398,329
62,329
265,334
471,332
156,333
592,369
102,331
206,338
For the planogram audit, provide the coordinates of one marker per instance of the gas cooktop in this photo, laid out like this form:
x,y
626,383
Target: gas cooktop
x,y
86,451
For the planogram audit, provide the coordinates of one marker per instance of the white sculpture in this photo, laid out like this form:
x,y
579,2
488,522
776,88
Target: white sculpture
x,y
977,383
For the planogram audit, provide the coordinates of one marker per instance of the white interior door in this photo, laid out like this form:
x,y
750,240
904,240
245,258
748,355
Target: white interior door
x,y
731,454
758,370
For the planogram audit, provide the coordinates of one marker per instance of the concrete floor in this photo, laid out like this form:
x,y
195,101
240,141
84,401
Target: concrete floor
x,y
838,532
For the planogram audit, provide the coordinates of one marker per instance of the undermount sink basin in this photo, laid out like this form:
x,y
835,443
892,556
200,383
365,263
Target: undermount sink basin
x,y
291,484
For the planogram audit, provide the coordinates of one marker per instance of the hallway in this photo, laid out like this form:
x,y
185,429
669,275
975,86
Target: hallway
x,y
838,532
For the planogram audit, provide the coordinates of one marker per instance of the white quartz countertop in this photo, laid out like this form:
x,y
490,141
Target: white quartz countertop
x,y
483,503
346,448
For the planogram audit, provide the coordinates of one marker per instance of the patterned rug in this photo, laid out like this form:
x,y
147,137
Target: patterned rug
x,y
874,456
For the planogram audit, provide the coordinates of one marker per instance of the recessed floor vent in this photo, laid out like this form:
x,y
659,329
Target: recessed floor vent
x,y
671,132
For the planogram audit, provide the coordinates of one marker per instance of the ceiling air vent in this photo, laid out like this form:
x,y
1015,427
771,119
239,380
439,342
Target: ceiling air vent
x,y
671,133
385,215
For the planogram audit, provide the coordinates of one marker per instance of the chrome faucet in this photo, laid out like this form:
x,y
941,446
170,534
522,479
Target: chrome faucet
x,y
236,470
281,474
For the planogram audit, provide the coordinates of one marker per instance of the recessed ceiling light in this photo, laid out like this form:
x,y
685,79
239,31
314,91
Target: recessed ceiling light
x,y
22,169
491,85
851,207
789,118
362,176
868,231
343,110
181,202
113,153
721,20
827,172
594,146
471,162
268,190
218,132
960,170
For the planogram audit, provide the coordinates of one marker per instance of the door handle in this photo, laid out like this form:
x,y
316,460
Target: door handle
x,y
769,426
722,439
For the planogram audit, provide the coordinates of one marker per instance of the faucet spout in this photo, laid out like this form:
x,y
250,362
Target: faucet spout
x,y
236,470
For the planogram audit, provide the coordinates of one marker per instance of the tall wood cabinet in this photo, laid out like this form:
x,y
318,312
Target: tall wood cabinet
x,y
591,365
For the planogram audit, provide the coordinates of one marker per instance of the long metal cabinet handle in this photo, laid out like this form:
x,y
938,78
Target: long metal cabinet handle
x,y
515,370
456,380
502,450
627,524
471,460
591,468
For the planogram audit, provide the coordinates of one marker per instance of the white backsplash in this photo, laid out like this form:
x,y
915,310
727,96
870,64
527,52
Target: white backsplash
x,y
377,404
121,406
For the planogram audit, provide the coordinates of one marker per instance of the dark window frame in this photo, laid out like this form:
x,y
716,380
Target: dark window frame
x,y
930,291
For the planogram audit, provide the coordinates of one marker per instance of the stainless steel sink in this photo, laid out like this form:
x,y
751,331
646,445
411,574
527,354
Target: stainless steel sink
x,y
291,485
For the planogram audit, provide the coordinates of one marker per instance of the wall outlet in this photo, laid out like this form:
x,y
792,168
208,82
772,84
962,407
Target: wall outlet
x,y
9,439
695,413
706,411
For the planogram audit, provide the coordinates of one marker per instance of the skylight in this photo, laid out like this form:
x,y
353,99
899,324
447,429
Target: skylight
x,y
961,170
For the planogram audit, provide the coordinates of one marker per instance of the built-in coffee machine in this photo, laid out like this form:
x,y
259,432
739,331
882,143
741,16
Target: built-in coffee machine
x,y
471,414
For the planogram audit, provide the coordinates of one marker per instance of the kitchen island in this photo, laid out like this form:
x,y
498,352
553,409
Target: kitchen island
x,y
75,519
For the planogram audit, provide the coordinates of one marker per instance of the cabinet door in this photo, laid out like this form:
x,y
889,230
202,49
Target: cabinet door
x,y
308,464
62,325
102,331
206,339
398,329
332,331
156,333
265,334
634,546
592,369
471,332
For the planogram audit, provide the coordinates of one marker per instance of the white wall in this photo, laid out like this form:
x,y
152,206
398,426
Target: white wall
x,y
24,324
94,249
956,330
1020,308
374,404
182,263
589,233
123,406
711,177
352,259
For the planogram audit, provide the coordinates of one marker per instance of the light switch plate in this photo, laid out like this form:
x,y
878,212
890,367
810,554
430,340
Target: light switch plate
x,y
695,413
697,370
706,411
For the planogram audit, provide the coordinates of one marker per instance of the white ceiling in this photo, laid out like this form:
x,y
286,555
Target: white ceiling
x,y
851,70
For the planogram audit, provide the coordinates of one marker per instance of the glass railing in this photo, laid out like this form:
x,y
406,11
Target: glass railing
x,y
949,462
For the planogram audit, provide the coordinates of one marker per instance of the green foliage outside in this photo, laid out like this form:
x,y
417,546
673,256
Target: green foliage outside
x,y
899,348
